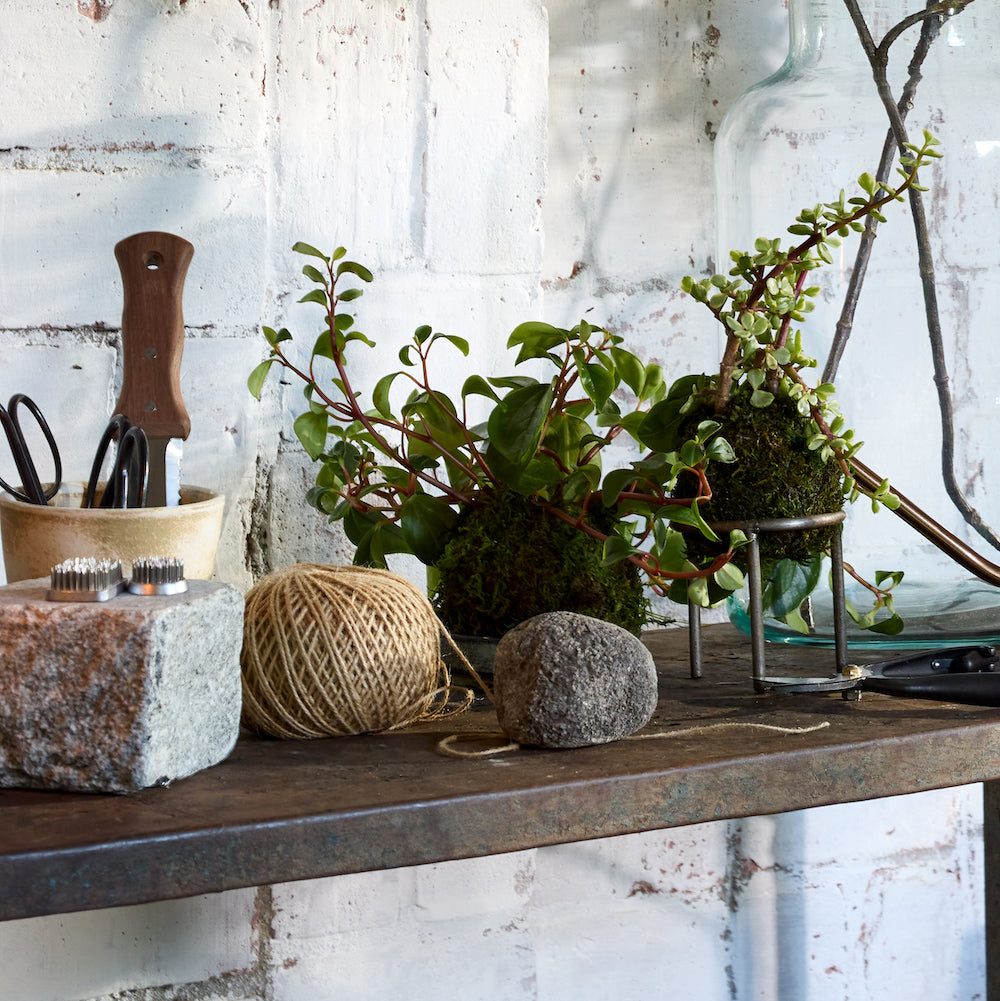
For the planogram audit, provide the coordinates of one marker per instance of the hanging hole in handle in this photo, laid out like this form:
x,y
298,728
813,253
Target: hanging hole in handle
x,y
153,261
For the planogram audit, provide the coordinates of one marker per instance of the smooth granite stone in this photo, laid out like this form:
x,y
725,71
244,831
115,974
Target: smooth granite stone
x,y
567,680
120,695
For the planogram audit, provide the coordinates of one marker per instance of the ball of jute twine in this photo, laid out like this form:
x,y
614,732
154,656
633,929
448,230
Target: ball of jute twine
x,y
336,650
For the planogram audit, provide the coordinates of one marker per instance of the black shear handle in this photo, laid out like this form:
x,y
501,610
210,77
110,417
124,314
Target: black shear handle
x,y
127,481
978,689
32,491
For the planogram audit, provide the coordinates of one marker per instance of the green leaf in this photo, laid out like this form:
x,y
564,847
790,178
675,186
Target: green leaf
x,y
536,339
630,369
597,383
375,537
476,385
358,270
692,516
349,294
276,337
513,382
660,429
380,394
515,425
789,584
729,577
310,429
652,381
323,348
304,248
719,450
315,295
255,383
314,274
614,483
460,342
616,549
536,474
426,523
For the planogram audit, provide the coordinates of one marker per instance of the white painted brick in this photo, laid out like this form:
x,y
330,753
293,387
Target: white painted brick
x,y
75,956
150,73
350,82
485,157
61,227
451,930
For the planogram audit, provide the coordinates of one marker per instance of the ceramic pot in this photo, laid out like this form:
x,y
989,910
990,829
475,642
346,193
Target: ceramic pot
x,y
36,538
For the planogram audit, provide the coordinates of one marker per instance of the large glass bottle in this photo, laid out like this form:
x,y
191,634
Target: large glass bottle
x,y
797,139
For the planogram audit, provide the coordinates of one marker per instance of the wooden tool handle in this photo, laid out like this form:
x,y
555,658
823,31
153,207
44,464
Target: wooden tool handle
x,y
153,267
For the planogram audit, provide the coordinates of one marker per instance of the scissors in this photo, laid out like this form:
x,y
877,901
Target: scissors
x,y
32,491
967,675
126,486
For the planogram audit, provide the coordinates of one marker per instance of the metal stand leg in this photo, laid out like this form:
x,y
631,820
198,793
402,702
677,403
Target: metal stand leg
x,y
756,611
694,638
839,600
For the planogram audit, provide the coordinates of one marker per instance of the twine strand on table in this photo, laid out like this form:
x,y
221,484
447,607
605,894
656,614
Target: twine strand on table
x,y
446,745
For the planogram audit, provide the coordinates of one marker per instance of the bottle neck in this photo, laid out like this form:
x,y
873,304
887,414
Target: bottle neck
x,y
822,32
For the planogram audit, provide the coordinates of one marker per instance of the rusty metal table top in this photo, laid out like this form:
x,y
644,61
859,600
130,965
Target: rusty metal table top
x,y
277,811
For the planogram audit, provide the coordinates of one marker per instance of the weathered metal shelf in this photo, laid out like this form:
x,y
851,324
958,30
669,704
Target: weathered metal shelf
x,y
277,811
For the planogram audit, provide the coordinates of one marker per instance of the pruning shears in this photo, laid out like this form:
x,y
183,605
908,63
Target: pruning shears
x,y
966,674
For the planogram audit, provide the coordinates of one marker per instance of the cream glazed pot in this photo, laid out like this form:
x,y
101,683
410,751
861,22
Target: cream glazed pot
x,y
36,537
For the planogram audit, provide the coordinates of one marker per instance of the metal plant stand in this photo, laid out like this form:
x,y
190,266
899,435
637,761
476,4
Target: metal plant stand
x,y
753,530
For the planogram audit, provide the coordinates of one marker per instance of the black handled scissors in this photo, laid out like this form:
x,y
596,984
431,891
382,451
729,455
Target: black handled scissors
x,y
968,675
32,491
126,486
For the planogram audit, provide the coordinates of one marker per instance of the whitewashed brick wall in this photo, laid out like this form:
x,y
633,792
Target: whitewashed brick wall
x,y
491,162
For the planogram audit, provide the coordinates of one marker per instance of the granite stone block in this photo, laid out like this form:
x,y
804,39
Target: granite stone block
x,y
120,695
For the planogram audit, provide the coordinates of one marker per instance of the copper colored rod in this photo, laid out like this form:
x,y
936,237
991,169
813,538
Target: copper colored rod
x,y
949,544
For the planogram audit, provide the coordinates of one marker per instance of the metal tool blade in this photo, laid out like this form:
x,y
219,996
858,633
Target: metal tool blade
x,y
163,487
153,267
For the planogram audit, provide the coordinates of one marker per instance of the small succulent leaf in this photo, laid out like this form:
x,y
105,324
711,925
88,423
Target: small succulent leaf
x,y
729,577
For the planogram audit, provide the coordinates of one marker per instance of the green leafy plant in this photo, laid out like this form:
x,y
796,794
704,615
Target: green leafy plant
x,y
758,302
404,469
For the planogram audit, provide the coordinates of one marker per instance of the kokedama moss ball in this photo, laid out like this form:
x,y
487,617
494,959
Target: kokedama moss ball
x,y
509,560
775,475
